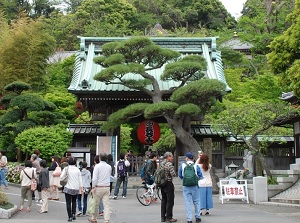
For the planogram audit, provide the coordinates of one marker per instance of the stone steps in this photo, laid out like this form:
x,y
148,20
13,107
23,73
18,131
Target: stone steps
x,y
291,195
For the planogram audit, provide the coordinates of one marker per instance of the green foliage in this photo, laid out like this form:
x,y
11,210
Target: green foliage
x,y
188,109
60,73
123,115
167,140
189,67
283,57
28,102
160,109
272,180
201,92
17,87
125,138
33,46
48,140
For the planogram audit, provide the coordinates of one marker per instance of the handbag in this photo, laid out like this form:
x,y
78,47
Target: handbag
x,y
64,180
91,205
33,182
57,171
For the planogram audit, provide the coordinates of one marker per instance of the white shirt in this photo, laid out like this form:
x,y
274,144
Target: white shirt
x,y
101,175
74,177
25,181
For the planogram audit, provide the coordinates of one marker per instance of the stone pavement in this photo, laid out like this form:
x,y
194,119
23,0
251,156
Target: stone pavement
x,y
131,211
291,195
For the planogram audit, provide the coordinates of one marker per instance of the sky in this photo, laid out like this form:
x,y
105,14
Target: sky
x,y
234,7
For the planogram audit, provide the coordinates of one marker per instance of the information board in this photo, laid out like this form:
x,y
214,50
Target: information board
x,y
233,189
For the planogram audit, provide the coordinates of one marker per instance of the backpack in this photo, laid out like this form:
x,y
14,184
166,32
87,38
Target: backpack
x,y
160,177
143,174
121,168
190,177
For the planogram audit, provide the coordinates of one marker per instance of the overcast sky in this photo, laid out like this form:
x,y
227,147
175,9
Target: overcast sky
x,y
234,7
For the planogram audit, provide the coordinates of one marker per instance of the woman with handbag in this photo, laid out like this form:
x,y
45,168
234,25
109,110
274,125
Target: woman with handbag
x,y
26,176
54,174
72,188
86,181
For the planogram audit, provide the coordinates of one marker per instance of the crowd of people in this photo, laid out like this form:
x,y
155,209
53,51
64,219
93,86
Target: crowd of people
x,y
98,181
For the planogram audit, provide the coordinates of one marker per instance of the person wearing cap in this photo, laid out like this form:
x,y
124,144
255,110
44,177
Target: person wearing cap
x,y
191,193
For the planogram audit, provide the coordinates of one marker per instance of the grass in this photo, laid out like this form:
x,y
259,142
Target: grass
x,y
6,206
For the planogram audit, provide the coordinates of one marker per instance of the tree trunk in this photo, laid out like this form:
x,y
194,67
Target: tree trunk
x,y
189,143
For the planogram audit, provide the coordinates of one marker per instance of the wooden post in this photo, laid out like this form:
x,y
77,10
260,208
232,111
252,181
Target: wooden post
x,y
207,149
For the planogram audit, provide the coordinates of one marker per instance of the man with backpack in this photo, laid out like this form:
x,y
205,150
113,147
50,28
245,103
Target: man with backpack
x,y
122,176
190,173
167,188
150,168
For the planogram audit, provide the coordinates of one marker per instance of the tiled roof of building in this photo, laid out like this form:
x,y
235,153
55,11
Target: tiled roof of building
x,y
90,47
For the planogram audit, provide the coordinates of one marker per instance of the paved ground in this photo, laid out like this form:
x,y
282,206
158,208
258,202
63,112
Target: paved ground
x,y
130,210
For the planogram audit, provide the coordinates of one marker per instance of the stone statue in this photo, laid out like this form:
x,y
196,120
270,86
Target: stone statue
x,y
248,161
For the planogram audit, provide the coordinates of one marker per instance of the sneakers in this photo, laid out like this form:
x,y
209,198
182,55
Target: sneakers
x,y
115,197
79,214
101,213
92,220
198,220
124,197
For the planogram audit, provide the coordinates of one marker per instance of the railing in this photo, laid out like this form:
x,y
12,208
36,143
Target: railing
x,y
136,164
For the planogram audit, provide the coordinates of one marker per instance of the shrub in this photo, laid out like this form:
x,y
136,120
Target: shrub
x,y
13,172
272,181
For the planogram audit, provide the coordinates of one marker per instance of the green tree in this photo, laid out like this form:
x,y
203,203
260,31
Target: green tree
x,y
24,111
49,141
261,21
284,56
125,138
191,98
24,52
255,119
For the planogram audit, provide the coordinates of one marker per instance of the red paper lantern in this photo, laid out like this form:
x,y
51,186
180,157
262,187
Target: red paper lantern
x,y
148,132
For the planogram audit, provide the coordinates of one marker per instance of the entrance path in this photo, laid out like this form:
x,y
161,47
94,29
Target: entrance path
x,y
131,211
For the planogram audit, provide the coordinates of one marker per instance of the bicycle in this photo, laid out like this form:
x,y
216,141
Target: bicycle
x,y
148,193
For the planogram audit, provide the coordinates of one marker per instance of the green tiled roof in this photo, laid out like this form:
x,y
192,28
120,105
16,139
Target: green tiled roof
x,y
90,47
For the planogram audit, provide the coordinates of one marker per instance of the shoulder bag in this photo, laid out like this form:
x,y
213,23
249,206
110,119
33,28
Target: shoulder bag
x,y
33,183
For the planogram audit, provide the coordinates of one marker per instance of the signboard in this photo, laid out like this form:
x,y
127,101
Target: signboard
x,y
233,189
107,144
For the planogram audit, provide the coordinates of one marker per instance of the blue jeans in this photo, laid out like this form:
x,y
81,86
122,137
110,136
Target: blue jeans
x,y
101,207
3,177
206,199
118,184
79,197
191,196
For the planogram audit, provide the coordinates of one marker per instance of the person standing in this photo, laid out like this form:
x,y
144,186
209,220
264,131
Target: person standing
x,y
44,185
150,168
3,171
122,176
190,186
25,177
205,185
110,161
167,191
72,188
54,180
86,183
100,187
36,165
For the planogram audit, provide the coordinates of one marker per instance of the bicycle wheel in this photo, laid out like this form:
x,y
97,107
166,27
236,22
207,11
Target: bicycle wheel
x,y
158,192
143,196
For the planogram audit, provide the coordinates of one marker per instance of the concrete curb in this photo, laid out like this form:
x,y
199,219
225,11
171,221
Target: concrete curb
x,y
279,204
6,214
